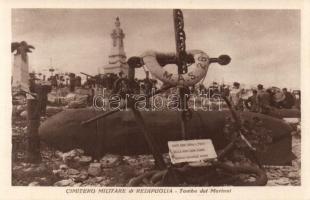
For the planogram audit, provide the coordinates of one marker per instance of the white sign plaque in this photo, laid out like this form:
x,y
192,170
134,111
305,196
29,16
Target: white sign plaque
x,y
191,150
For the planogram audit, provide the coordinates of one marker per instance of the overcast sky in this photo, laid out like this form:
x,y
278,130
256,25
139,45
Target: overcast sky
x,y
264,44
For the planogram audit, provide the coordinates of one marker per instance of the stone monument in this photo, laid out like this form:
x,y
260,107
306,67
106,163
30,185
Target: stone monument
x,y
117,58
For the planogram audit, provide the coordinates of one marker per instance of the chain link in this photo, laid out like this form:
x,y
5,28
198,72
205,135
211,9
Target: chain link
x,y
180,41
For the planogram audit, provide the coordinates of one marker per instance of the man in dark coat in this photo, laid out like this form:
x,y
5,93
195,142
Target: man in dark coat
x,y
251,102
289,99
263,100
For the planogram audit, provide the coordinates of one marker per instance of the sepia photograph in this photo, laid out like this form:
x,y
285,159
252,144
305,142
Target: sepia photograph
x,y
174,101
168,97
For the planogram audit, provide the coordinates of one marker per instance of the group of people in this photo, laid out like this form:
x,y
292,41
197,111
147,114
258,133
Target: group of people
x,y
60,81
262,100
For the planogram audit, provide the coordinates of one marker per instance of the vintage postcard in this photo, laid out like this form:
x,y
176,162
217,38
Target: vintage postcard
x,y
156,100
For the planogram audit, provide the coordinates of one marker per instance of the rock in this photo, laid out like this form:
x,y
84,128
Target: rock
x,y
84,160
15,111
35,183
293,175
72,158
63,167
76,159
63,174
82,98
25,164
73,171
58,154
24,114
99,179
56,171
69,155
90,181
20,108
28,169
110,160
17,168
41,168
94,169
77,184
81,177
130,160
37,170
79,152
65,182
70,97
43,180
104,183
271,183
283,181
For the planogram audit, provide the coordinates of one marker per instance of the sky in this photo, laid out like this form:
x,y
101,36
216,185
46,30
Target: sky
x,y
264,45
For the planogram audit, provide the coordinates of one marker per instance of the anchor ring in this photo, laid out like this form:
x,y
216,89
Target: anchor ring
x,y
199,69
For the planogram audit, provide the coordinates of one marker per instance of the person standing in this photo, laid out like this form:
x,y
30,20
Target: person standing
x,y
289,100
263,100
251,102
72,82
235,96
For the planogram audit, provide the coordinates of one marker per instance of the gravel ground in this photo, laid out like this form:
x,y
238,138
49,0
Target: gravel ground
x,y
71,169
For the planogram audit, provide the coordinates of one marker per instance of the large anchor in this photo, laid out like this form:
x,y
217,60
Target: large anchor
x,y
182,60
155,63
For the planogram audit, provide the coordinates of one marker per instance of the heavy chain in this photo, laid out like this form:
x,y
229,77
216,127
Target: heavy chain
x,y
180,41
181,61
